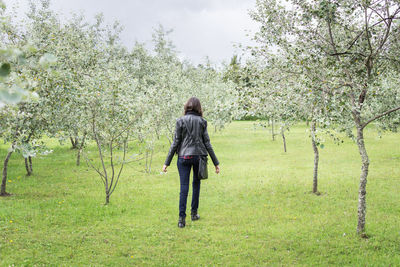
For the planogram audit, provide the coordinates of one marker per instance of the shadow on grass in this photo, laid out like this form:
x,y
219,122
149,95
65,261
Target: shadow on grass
x,y
316,193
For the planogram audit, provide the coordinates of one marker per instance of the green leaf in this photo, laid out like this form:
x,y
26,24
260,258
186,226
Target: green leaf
x,y
5,69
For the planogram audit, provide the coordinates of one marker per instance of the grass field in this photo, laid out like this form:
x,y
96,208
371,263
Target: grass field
x,y
258,212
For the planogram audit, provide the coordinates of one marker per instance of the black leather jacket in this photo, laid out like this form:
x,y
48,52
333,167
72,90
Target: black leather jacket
x,y
183,143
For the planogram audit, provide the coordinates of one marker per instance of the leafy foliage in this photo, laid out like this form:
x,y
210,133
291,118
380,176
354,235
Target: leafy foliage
x,y
90,88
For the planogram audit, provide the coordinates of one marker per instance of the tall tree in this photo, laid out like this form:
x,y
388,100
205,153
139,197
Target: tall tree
x,y
352,42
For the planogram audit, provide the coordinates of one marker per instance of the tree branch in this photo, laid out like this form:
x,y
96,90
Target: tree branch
x,y
96,169
112,164
380,116
347,53
100,151
375,11
367,32
122,166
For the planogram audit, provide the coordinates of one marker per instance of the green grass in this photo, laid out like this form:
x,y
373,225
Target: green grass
x,y
257,212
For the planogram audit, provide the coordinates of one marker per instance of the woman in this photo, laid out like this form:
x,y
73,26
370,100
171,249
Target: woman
x,y
191,140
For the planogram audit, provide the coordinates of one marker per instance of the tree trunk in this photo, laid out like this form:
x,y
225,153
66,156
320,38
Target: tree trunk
x,y
362,205
30,164
151,159
4,180
169,140
81,145
157,134
172,134
149,162
28,169
74,142
284,140
78,157
107,198
316,158
147,159
272,130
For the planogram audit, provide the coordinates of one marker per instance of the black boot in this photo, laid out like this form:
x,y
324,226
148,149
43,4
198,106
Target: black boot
x,y
195,216
181,222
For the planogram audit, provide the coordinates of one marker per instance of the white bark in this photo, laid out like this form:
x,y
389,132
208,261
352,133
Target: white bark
x,y
362,204
316,158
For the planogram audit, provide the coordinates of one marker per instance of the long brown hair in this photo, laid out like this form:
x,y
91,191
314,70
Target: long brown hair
x,y
193,104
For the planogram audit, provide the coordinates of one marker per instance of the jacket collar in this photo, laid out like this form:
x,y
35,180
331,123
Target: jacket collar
x,y
192,113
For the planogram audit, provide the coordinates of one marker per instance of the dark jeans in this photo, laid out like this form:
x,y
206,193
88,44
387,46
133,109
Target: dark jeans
x,y
184,167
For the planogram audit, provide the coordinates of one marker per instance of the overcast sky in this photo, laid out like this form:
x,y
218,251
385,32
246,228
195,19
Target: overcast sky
x,y
200,27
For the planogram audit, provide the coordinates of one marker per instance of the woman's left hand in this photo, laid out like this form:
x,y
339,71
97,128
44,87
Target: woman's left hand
x,y
217,169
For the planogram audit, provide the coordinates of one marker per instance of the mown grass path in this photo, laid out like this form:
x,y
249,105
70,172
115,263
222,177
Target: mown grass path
x,y
257,212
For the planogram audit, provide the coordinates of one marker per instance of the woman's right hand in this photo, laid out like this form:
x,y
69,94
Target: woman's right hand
x,y
217,169
164,168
